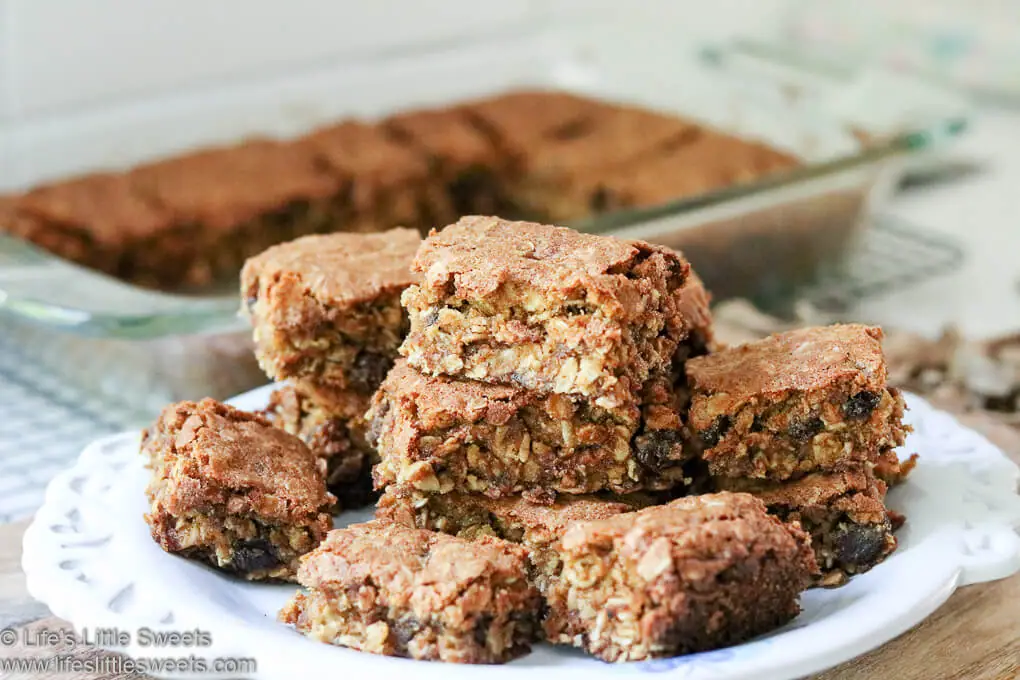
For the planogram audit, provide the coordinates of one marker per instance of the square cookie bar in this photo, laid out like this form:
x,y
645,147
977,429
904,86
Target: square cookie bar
x,y
230,489
391,589
326,309
843,511
340,440
794,403
698,573
545,308
437,434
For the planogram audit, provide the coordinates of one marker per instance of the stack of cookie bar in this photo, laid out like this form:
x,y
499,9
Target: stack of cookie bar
x,y
327,319
563,451
539,361
806,421
542,393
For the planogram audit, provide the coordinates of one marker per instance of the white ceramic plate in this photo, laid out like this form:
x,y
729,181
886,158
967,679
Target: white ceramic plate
x,y
88,555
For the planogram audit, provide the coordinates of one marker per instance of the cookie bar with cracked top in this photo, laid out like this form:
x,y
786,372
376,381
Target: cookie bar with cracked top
x,y
326,309
843,511
338,439
230,489
795,402
438,434
390,589
698,573
545,308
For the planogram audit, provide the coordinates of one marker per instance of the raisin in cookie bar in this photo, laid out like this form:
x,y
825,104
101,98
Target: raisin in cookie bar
x,y
230,489
545,308
390,589
795,402
437,434
336,438
698,573
844,512
326,309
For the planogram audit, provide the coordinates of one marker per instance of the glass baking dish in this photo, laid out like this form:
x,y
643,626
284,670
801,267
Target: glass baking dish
x,y
143,349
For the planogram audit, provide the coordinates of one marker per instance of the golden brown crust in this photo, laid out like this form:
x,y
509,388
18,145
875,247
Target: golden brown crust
x,y
695,574
616,135
391,589
801,360
545,308
339,270
229,488
233,456
478,255
326,309
795,402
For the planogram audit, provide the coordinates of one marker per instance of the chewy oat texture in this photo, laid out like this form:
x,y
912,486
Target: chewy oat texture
x,y
438,434
535,526
545,308
696,574
794,403
326,309
340,441
230,489
843,511
390,589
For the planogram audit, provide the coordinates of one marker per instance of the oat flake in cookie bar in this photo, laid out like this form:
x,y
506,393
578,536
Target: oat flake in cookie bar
x,y
326,309
545,308
230,489
438,434
795,402
535,526
390,589
698,573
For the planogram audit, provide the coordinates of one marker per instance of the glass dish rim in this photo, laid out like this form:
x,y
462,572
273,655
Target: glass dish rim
x,y
202,317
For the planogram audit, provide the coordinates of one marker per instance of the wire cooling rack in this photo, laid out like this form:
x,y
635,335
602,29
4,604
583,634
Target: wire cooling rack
x,y
45,422
893,254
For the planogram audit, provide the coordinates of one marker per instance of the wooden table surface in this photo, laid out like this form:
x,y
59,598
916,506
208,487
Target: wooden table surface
x,y
975,635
